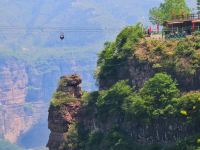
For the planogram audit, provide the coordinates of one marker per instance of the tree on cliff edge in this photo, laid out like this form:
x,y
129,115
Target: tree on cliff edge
x,y
168,10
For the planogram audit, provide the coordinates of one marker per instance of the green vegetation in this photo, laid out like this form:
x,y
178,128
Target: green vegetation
x,y
61,98
120,109
190,104
180,58
114,55
109,102
168,10
116,117
187,56
158,93
116,109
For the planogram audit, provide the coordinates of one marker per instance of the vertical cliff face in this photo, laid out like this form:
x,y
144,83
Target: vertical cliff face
x,y
16,115
13,87
13,79
25,91
63,113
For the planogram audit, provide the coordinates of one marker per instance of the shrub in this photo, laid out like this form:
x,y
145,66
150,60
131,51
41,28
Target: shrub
x,y
110,101
189,106
60,98
158,93
159,90
115,53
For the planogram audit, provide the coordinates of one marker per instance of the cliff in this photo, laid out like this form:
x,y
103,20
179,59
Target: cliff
x,y
102,119
144,57
16,115
25,90
63,112
148,98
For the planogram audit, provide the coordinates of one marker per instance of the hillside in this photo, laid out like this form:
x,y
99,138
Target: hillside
x,y
148,98
140,61
32,57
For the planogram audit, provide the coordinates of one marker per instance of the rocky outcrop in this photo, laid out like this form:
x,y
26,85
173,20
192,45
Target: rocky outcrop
x,y
61,116
138,71
133,70
22,84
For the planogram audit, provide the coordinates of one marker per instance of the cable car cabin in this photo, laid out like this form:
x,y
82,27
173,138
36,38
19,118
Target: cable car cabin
x,y
182,26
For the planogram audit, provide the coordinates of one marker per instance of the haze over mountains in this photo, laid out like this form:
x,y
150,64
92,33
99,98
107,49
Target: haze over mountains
x,y
29,34
38,23
50,16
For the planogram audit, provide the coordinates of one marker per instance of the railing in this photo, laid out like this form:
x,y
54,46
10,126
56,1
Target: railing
x,y
182,29
175,33
180,32
186,17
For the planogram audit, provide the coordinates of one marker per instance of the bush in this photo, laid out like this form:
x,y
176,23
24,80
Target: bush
x,y
60,98
114,55
190,104
159,90
187,59
110,102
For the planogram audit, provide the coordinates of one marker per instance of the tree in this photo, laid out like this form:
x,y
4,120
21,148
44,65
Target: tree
x,y
110,101
168,10
190,103
159,91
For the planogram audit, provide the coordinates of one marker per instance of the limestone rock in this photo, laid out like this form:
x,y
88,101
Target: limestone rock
x,y
61,116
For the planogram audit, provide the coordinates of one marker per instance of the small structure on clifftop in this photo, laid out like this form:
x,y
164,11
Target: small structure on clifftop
x,y
63,110
181,26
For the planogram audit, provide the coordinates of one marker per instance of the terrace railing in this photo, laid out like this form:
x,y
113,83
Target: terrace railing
x,y
180,32
186,17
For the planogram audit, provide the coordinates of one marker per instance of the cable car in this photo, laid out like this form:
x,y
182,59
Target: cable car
x,y
62,36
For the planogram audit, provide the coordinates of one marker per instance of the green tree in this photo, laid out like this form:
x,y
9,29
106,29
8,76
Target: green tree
x,y
168,10
114,56
110,102
158,93
190,103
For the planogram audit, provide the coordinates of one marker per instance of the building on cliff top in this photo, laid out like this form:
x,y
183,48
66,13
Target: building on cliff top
x,y
177,27
181,26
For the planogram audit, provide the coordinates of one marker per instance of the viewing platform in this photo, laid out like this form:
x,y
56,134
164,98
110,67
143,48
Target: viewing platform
x,y
182,18
182,25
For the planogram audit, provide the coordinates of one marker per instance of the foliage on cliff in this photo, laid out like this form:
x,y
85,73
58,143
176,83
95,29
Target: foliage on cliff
x,y
67,91
180,58
61,98
116,109
115,53
157,115
121,114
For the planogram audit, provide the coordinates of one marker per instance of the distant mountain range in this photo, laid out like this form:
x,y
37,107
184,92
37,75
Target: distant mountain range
x,y
38,23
